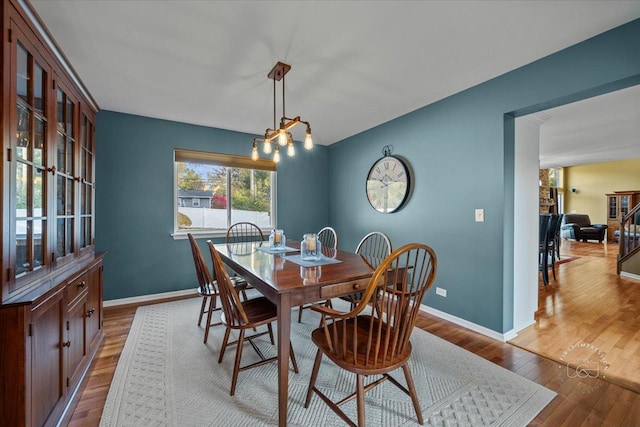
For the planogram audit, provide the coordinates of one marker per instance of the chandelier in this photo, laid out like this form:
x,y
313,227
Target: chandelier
x,y
282,135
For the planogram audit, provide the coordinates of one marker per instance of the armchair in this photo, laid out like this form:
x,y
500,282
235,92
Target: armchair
x,y
579,227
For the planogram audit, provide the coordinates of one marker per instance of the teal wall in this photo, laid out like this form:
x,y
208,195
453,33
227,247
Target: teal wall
x,y
460,149
134,198
461,152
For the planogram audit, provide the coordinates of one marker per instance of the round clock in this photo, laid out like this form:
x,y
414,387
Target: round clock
x,y
388,184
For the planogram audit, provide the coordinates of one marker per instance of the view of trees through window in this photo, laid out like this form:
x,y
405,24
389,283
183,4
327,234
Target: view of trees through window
x,y
212,197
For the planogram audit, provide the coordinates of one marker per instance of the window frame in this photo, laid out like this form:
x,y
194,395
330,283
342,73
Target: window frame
x,y
228,161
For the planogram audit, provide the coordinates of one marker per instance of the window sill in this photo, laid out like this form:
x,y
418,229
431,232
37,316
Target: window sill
x,y
182,235
209,234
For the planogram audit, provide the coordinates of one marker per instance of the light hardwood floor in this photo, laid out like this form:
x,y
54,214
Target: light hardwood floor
x,y
589,305
580,401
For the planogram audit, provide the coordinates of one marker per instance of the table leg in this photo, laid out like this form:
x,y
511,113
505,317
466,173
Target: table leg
x,y
284,340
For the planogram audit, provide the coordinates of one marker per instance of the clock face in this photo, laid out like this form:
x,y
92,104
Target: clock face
x,y
388,184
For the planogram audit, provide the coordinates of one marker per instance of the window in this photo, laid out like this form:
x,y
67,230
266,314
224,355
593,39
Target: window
x,y
213,191
555,177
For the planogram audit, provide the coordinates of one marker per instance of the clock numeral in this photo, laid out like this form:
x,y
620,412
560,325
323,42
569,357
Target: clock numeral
x,y
386,165
400,174
378,169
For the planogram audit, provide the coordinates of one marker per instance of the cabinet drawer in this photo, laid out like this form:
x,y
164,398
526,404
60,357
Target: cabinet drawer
x,y
77,286
340,289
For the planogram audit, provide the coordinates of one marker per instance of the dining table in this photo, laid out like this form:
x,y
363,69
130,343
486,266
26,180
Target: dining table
x,y
288,281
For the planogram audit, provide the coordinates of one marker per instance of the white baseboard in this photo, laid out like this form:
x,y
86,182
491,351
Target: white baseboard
x,y
509,335
630,275
469,325
147,298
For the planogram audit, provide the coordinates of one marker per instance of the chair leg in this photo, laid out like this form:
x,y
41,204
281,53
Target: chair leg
x,y
270,329
302,307
225,340
314,377
362,422
292,356
209,316
545,268
412,391
202,309
236,365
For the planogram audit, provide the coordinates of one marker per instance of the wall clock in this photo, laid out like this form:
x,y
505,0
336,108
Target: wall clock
x,y
388,183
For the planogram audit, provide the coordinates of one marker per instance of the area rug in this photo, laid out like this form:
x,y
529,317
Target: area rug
x,y
566,260
166,376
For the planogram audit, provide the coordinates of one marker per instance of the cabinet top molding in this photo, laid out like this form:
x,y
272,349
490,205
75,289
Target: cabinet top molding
x,y
56,51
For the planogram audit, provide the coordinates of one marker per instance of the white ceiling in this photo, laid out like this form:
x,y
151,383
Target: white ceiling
x,y
356,64
598,129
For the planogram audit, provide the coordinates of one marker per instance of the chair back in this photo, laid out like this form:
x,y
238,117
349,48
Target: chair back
x,y
543,228
558,226
552,229
241,232
205,281
381,334
328,238
374,248
234,314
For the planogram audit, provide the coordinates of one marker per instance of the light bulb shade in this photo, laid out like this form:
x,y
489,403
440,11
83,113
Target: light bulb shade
x,y
276,155
308,142
254,153
291,151
282,137
266,148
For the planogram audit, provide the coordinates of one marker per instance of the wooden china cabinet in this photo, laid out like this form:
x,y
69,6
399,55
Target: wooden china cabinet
x,y
619,203
51,299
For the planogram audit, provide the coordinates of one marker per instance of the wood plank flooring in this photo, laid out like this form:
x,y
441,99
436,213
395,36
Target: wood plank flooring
x,y
589,305
580,401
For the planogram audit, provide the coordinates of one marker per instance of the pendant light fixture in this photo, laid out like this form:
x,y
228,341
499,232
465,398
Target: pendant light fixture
x,y
281,135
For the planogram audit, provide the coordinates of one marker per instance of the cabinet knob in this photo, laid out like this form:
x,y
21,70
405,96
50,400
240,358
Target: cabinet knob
x,y
90,312
67,343
81,284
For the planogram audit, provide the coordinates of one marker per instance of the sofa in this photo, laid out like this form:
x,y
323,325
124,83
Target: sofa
x,y
579,227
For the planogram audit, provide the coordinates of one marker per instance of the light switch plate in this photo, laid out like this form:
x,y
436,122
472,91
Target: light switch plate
x,y
479,215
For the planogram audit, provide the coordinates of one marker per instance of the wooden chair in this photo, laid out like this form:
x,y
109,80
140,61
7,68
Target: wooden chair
x,y
548,230
207,287
374,248
242,315
242,232
557,239
329,240
374,337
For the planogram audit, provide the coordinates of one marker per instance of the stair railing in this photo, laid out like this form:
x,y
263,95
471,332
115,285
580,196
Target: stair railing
x,y
629,237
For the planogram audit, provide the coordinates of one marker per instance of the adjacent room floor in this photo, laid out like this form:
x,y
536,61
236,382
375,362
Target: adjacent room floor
x,y
589,307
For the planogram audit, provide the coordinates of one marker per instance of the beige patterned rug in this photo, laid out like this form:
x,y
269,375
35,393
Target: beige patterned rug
x,y
166,376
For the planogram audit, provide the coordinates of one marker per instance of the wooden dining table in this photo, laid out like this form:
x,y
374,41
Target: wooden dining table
x,y
288,284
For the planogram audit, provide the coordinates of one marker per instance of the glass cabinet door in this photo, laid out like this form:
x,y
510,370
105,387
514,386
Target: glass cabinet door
x,y
65,178
624,205
86,181
29,195
613,207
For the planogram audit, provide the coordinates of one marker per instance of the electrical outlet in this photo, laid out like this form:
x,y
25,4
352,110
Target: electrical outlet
x,y
479,215
442,292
